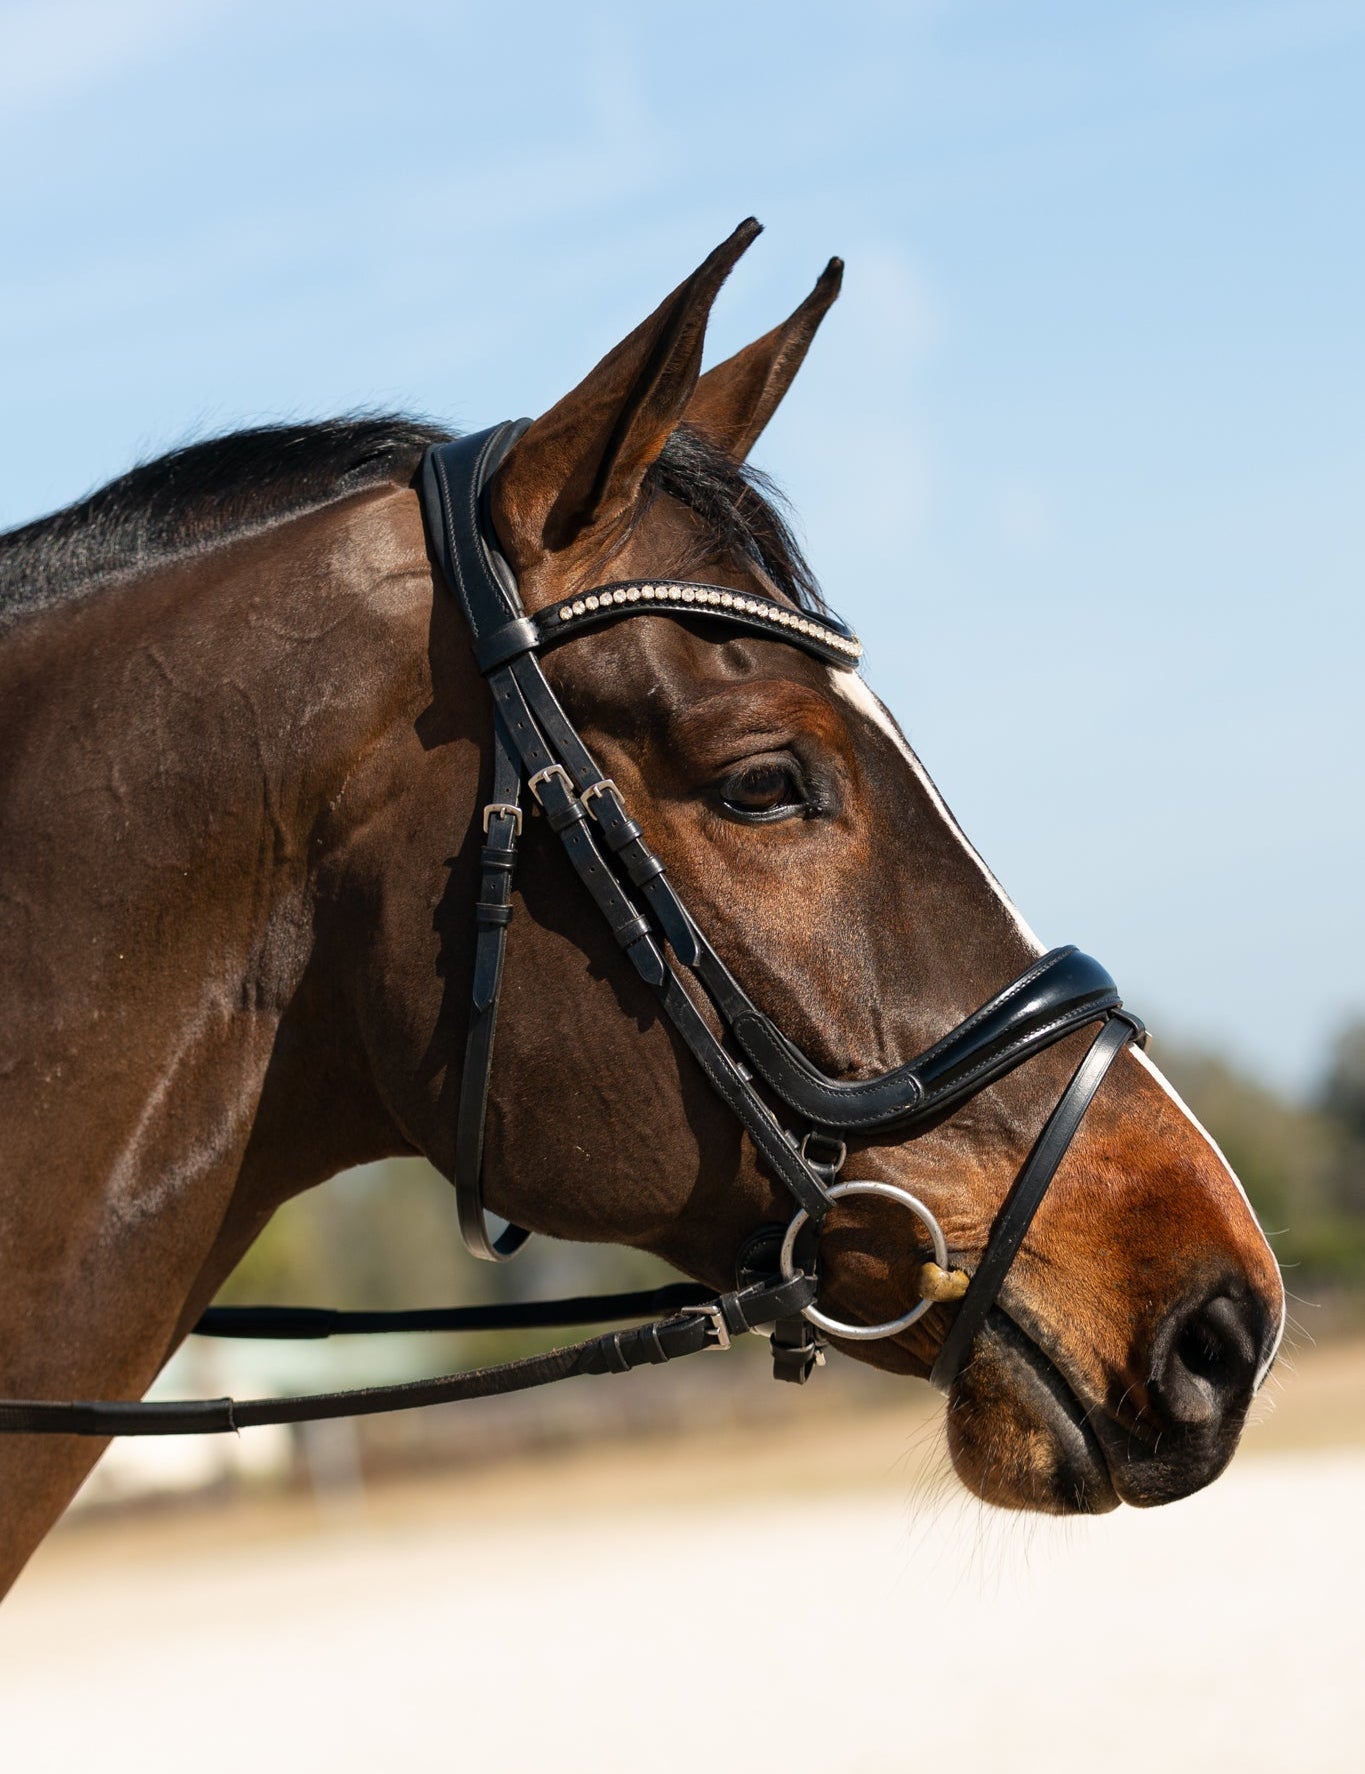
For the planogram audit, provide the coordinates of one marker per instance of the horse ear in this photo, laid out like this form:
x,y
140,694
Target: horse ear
x,y
734,401
580,465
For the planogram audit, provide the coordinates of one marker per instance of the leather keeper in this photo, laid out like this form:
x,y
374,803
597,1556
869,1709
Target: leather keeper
x,y
630,933
620,832
493,650
642,868
568,813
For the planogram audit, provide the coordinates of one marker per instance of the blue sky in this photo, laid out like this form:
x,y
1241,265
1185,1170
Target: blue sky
x,y
1079,452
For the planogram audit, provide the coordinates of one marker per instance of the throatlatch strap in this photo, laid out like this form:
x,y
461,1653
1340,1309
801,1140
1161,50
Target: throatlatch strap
x,y
492,914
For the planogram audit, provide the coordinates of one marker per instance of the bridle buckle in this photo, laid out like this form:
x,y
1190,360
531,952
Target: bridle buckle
x,y
494,808
825,1154
716,1322
547,774
594,789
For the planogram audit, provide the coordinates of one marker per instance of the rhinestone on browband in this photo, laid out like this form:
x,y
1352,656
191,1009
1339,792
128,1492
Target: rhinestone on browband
x,y
739,603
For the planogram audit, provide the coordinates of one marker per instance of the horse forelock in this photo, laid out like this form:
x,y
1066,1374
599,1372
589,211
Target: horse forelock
x,y
739,514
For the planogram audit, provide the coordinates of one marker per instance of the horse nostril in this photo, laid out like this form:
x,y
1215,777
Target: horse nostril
x,y
1209,1361
1202,1351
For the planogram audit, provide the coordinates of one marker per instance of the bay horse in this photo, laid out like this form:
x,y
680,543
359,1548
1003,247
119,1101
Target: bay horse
x,y
245,747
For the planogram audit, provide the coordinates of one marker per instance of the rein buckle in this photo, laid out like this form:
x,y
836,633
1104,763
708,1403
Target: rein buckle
x,y
715,1323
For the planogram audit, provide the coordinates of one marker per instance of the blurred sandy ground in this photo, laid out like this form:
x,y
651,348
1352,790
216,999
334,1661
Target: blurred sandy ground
x,y
808,1594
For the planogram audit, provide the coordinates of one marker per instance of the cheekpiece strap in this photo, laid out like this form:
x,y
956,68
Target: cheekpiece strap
x,y
535,743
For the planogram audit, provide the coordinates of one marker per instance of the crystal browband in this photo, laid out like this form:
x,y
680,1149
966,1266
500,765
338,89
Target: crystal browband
x,y
822,635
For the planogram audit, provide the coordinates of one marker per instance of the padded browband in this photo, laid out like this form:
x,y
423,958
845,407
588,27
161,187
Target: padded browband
x,y
824,636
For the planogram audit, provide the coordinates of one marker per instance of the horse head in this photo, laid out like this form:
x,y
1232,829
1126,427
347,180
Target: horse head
x,y
813,850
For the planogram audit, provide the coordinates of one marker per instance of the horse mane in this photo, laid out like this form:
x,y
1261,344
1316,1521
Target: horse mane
x,y
201,496
206,494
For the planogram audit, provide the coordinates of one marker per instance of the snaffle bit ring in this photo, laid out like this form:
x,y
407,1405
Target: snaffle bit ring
x,y
867,1333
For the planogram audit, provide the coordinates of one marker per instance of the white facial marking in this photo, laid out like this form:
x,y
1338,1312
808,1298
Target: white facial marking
x,y
853,689
1214,1147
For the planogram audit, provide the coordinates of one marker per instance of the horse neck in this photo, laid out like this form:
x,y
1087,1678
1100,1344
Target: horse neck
x,y
177,748
178,760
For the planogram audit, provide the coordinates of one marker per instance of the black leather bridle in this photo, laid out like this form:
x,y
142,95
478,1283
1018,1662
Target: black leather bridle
x,y
537,749
536,744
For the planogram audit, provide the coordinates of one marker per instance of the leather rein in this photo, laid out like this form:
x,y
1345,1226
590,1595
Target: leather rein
x,y
538,750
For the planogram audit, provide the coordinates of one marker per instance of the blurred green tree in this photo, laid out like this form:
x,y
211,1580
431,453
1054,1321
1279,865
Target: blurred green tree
x,y
1300,1162
1342,1100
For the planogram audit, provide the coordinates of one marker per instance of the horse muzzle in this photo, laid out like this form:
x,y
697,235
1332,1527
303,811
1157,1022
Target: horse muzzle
x,y
1025,1435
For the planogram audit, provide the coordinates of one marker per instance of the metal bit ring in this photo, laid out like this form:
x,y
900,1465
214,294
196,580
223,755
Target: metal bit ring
x,y
867,1333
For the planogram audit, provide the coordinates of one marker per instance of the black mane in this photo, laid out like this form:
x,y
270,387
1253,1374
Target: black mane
x,y
200,496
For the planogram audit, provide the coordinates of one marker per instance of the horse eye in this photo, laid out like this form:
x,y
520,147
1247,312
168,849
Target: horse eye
x,y
771,789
